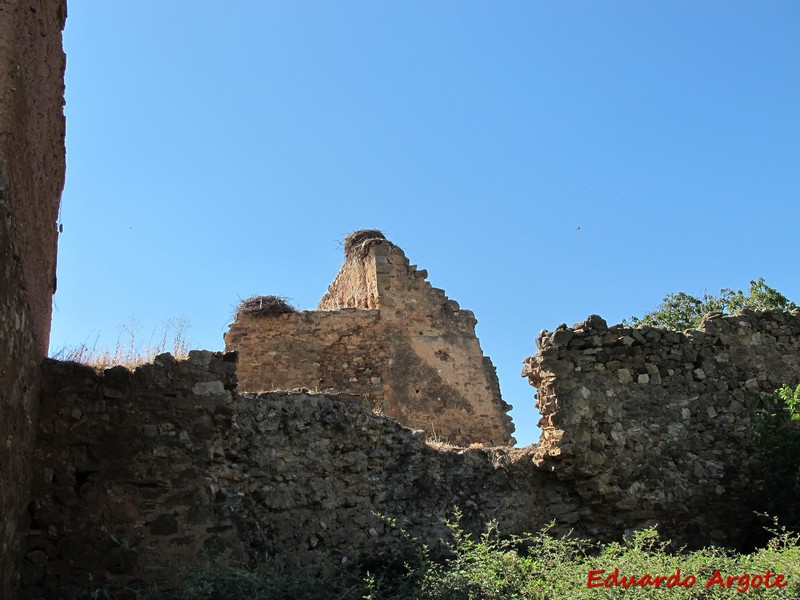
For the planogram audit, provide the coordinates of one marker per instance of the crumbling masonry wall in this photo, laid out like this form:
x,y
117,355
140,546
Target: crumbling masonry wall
x,y
138,475
320,351
654,425
141,475
381,332
31,179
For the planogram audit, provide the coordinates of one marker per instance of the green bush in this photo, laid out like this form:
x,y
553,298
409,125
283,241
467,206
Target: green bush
x,y
777,433
539,566
682,311
543,567
488,566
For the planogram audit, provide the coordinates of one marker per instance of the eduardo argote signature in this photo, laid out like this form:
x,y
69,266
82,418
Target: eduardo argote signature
x,y
741,583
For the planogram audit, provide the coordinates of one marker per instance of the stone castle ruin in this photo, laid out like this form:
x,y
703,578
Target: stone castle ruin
x,y
132,476
384,335
136,475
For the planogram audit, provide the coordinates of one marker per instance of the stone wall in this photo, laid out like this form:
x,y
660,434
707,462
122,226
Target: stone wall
x,y
138,475
31,179
355,285
649,424
320,351
122,483
383,332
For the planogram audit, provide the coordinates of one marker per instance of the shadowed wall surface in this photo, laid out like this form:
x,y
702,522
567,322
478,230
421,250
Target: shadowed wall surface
x,y
31,179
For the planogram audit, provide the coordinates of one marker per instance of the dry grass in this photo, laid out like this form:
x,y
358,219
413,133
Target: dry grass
x,y
437,442
128,352
263,306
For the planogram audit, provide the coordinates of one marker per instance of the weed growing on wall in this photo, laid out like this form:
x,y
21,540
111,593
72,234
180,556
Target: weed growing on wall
x,y
682,311
130,351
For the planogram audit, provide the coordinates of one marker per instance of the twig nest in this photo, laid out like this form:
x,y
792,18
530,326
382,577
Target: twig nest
x,y
358,243
257,306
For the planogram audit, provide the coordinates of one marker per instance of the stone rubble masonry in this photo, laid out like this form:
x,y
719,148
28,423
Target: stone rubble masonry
x,y
134,475
122,472
384,334
645,422
31,179
140,475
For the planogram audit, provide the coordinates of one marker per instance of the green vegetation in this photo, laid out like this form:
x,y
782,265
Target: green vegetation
x,y
488,566
777,433
681,311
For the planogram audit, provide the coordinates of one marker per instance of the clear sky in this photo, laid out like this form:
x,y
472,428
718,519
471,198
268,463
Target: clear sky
x,y
542,160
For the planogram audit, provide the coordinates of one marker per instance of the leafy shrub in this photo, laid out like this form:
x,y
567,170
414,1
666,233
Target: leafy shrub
x,y
777,433
545,568
536,567
682,311
488,566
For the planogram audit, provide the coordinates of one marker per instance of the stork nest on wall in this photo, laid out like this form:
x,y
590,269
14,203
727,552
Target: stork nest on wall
x,y
358,243
259,306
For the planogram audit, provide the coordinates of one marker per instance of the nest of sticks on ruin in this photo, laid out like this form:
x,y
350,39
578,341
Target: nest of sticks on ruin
x,y
357,244
261,306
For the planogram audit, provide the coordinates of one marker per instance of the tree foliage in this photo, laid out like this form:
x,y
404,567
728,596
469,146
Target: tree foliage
x,y
682,311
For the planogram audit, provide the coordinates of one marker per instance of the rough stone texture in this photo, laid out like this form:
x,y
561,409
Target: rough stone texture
x,y
382,332
328,351
122,473
135,474
31,179
139,474
654,425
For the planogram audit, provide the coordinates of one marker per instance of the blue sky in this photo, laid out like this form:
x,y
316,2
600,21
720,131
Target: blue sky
x,y
218,152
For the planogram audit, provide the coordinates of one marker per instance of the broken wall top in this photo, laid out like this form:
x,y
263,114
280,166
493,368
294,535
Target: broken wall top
x,y
384,333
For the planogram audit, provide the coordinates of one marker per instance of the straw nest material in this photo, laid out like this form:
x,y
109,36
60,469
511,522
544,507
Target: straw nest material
x,y
257,306
358,243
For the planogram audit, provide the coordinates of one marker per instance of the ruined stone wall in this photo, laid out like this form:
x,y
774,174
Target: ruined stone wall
x,y
319,351
122,482
355,285
439,374
654,424
31,179
384,332
138,475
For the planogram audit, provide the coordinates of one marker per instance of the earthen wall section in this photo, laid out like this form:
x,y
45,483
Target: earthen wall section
x,y
31,179
321,351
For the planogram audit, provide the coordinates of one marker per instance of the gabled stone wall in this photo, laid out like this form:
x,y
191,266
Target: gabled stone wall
x,y
381,332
